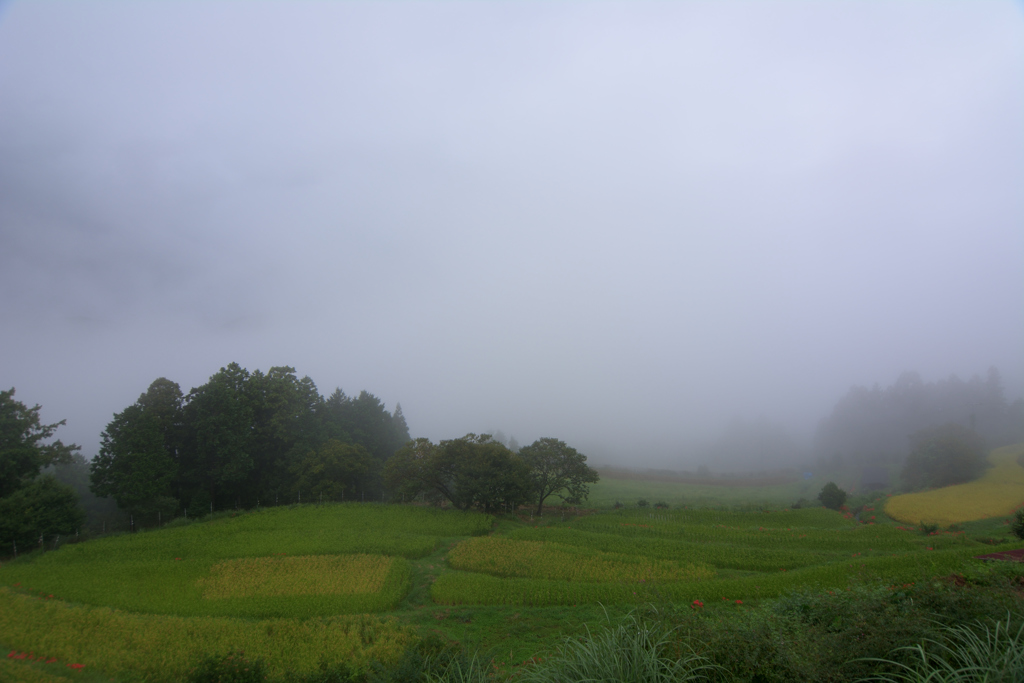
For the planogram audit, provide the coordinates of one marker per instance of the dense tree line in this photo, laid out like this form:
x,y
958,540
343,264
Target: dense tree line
x,y
249,438
879,425
242,439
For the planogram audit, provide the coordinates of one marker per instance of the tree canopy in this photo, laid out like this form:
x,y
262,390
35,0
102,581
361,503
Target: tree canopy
x,y
241,438
472,471
32,506
556,468
23,451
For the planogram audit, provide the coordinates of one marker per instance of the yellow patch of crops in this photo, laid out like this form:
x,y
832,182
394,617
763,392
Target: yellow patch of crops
x,y
995,494
305,575
541,560
160,647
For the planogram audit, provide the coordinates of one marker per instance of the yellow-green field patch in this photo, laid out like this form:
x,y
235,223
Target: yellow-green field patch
x,y
246,577
996,494
540,560
158,647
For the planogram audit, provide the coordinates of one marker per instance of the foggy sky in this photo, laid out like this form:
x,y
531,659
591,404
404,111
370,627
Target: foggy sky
x,y
622,225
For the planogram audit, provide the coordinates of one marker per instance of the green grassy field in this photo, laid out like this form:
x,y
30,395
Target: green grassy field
x,y
309,584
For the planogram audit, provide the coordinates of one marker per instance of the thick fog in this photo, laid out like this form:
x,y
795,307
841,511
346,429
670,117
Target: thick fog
x,y
635,227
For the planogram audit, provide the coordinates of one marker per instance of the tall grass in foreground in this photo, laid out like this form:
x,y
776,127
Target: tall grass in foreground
x,y
964,654
635,651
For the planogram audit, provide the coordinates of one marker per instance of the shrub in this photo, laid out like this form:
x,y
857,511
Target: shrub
x,y
965,653
661,505
832,496
637,650
1017,524
618,505
339,672
232,668
642,503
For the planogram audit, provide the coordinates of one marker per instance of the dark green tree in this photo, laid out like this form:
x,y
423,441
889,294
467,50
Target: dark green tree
x,y
372,425
43,508
32,506
217,446
335,471
284,429
556,468
832,496
408,473
473,471
137,461
133,466
943,456
399,430
480,472
23,451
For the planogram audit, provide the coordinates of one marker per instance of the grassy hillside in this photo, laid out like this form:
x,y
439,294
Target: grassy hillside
x,y
996,494
293,586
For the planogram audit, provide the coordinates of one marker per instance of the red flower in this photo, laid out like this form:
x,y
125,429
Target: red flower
x,y
77,666
739,602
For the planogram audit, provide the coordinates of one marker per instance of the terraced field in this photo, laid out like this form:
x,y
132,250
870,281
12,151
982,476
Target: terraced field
x,y
997,494
276,562
359,583
685,555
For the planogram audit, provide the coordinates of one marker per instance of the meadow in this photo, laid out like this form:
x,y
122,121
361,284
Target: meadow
x,y
302,586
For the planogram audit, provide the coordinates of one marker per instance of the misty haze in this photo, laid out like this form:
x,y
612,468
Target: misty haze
x,y
626,226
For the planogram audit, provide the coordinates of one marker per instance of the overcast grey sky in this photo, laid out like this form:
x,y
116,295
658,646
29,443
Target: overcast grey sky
x,y
618,224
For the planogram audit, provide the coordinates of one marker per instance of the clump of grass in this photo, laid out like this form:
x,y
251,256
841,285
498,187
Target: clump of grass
x,y
235,667
963,654
637,649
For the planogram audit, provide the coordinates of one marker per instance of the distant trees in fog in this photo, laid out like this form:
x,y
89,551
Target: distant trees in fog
x,y
877,425
241,438
943,456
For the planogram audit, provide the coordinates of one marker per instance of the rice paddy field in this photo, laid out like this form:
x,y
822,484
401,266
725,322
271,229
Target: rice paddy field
x,y
303,585
997,493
